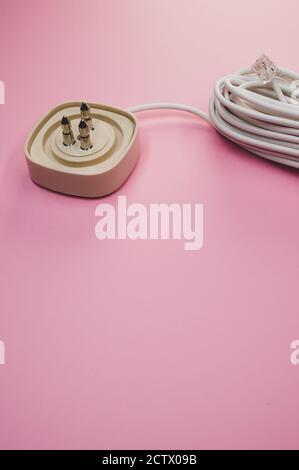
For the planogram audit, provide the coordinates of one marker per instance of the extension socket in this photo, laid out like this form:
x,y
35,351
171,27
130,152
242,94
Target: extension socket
x,y
92,172
255,108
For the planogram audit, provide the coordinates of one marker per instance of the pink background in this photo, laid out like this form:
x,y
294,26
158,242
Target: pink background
x,y
140,344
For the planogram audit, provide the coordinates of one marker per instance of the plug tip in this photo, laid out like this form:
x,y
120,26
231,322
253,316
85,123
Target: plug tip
x,y
65,121
82,124
84,107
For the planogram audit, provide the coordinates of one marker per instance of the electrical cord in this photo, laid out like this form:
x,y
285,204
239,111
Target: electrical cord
x,y
260,116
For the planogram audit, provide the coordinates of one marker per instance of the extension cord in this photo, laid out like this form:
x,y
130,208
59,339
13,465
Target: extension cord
x,y
262,118
255,108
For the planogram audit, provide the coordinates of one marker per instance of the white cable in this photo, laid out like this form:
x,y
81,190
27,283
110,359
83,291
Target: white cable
x,y
262,118
180,107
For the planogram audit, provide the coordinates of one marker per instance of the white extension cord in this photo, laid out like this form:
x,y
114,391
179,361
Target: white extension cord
x,y
260,116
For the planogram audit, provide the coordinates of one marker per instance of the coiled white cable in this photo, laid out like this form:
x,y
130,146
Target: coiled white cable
x,y
260,117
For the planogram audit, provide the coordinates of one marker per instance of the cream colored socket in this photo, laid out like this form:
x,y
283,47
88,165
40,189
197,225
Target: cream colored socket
x,y
87,173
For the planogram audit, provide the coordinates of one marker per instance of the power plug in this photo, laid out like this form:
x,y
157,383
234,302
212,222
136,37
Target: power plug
x,y
83,150
253,108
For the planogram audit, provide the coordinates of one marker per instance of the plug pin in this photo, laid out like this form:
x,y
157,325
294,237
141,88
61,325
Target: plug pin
x,y
67,133
84,136
85,114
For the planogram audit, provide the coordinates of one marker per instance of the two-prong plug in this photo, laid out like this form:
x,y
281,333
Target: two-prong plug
x,y
85,126
86,116
84,135
67,133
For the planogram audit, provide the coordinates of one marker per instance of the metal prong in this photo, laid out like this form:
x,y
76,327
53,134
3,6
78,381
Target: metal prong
x,y
85,114
84,135
67,133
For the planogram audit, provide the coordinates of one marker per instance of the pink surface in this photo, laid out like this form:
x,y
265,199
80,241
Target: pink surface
x,y
140,344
